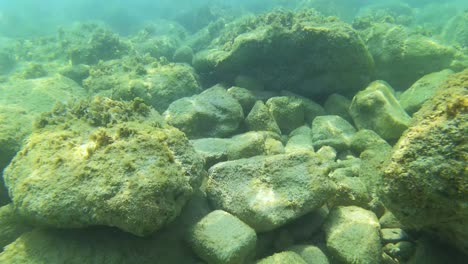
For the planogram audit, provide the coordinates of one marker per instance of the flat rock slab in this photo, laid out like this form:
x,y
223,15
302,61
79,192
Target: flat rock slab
x,y
268,191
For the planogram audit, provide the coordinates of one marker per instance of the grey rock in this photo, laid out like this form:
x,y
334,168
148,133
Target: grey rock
x,y
269,191
288,112
332,131
367,139
353,235
401,251
213,113
221,238
311,108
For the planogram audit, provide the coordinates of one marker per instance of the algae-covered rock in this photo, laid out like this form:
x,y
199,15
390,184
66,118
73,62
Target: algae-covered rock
x,y
422,90
376,108
290,257
222,238
261,119
353,236
156,83
89,43
11,225
254,143
213,150
95,246
426,180
287,111
318,54
103,163
455,31
310,253
246,145
337,104
332,131
23,100
245,97
401,58
213,113
269,191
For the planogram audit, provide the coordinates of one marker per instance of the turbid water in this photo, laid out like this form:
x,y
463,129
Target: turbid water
x,y
220,131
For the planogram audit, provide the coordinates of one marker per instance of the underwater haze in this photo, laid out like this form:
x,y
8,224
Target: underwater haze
x,y
233,132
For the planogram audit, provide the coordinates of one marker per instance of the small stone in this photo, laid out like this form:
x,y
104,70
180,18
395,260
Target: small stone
x,y
222,238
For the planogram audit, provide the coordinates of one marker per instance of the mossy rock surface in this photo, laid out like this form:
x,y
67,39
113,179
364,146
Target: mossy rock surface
x,y
426,181
318,54
156,82
269,191
103,163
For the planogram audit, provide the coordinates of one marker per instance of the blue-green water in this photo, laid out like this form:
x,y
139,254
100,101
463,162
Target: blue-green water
x,y
217,131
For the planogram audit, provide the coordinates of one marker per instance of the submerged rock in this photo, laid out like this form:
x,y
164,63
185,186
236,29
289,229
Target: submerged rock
x,y
426,180
332,131
317,54
353,235
11,225
261,119
270,191
222,238
422,90
103,163
401,58
289,257
213,113
158,84
20,102
376,108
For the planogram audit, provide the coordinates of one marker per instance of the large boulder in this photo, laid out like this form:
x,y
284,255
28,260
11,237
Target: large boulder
x,y
213,113
318,54
269,191
402,57
426,180
103,163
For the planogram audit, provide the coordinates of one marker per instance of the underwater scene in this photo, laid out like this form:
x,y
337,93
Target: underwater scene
x,y
233,132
